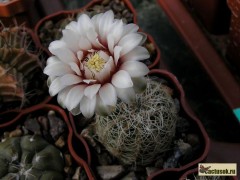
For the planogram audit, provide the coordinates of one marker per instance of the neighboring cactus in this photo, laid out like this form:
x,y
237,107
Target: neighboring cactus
x,y
30,157
137,134
15,37
21,74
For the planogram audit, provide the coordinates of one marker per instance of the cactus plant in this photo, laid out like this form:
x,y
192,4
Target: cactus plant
x,y
20,69
30,157
137,134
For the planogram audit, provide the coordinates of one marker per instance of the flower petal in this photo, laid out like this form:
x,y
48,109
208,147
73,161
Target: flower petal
x,y
75,68
91,91
61,82
104,55
144,38
135,68
105,24
74,96
84,43
92,36
110,42
88,81
70,79
57,69
53,60
55,87
129,42
127,95
57,44
79,55
63,53
84,24
130,28
72,26
101,108
137,54
76,111
139,84
87,106
108,94
117,30
117,51
122,79
71,39
62,96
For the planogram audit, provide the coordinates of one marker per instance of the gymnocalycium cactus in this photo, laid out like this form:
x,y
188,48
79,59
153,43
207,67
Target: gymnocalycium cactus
x,y
137,134
20,69
30,157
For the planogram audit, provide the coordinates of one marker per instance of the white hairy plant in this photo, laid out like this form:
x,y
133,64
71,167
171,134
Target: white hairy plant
x,y
136,134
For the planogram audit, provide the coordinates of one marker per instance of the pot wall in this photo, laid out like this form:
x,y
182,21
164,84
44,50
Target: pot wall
x,y
233,51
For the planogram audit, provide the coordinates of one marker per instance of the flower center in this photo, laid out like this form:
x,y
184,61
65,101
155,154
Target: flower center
x,y
96,62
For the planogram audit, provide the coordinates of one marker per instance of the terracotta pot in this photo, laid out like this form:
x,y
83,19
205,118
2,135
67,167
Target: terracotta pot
x,y
12,8
43,109
13,12
217,70
191,174
233,52
32,48
214,14
73,13
186,112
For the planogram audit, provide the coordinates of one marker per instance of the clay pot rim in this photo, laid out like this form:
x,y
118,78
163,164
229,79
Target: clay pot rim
x,y
62,113
11,8
66,13
171,78
191,116
216,69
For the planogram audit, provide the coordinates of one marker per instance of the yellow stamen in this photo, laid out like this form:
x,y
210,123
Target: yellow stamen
x,y
96,63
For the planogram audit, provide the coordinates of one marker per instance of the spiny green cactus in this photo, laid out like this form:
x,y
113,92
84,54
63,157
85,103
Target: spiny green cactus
x,y
21,76
15,37
138,134
17,72
30,157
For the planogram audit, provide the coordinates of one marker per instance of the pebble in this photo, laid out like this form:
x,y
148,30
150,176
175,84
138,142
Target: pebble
x,y
57,125
105,2
76,175
32,125
60,142
43,121
150,47
15,133
110,172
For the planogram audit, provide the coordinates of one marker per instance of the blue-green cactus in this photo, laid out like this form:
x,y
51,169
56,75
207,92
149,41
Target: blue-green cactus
x,y
30,157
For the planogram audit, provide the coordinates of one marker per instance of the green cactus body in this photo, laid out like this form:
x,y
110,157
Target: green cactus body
x,y
15,37
30,157
17,71
137,134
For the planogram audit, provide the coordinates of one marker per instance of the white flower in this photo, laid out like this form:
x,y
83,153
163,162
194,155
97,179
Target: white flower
x,y
96,61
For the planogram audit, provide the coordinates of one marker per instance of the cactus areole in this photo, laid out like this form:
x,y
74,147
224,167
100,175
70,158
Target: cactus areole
x,y
30,157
